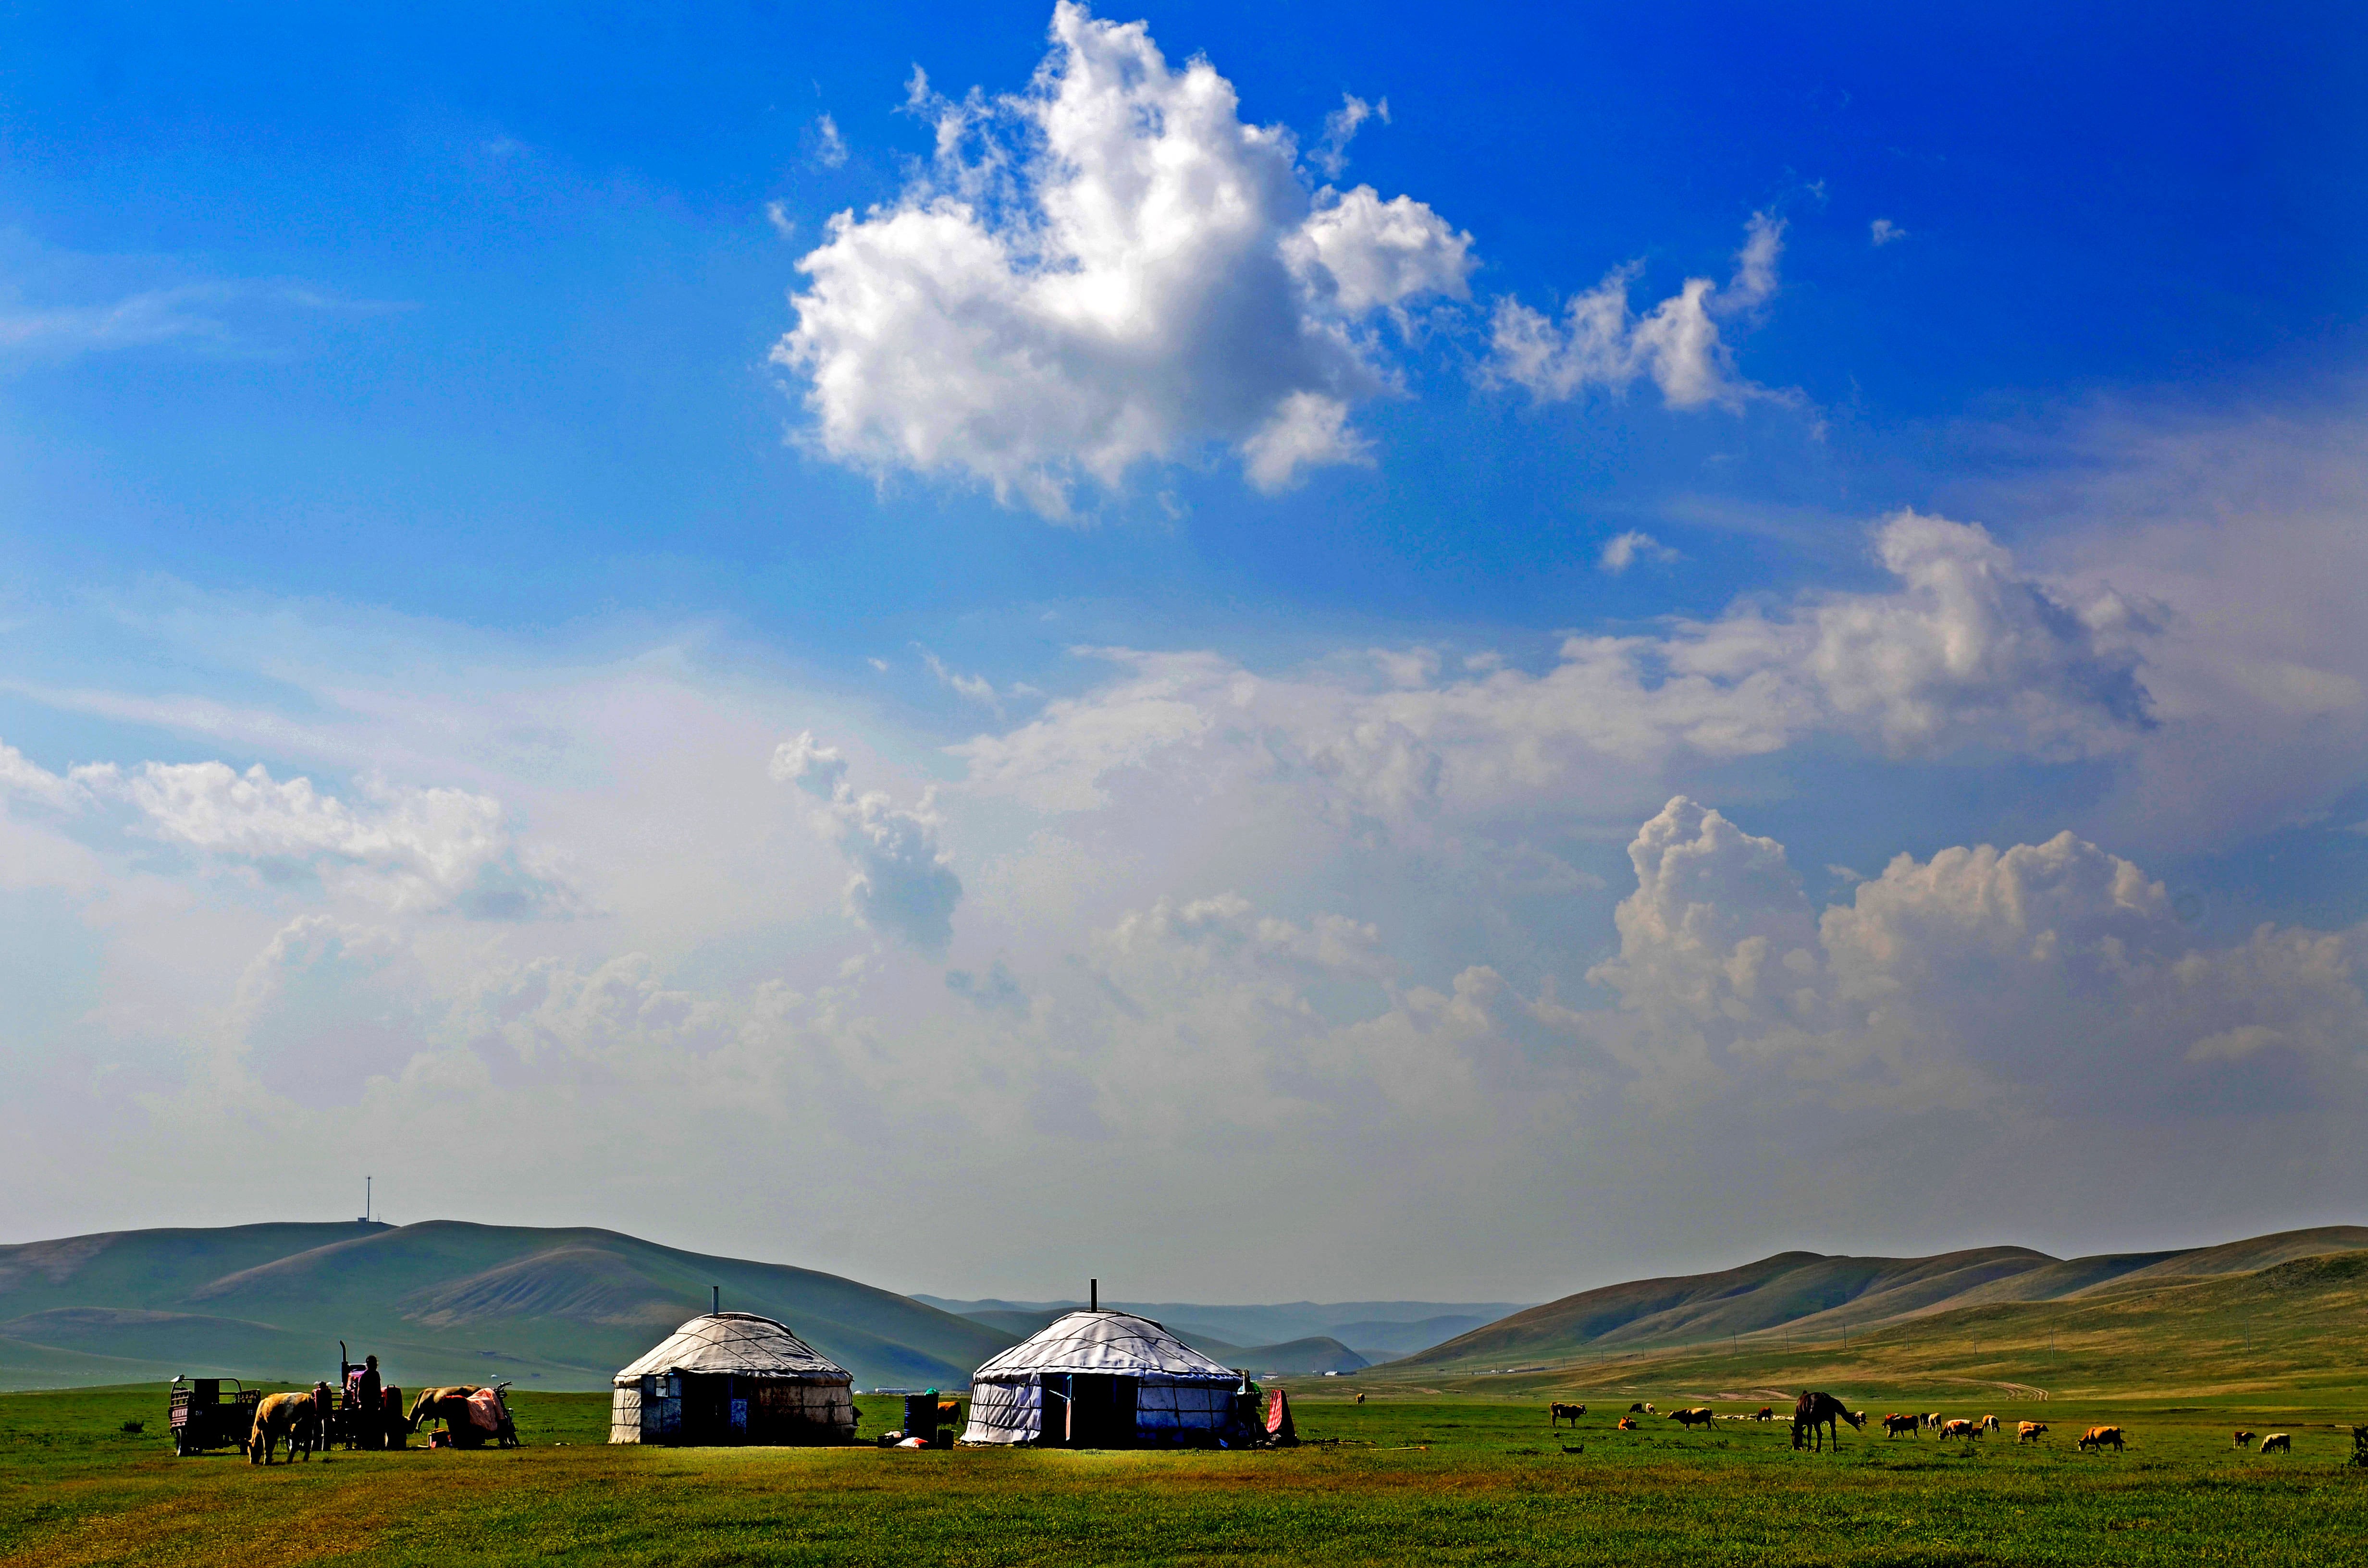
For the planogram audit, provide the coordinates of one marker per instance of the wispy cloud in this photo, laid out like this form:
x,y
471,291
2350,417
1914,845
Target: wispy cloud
x,y
1623,551
212,314
830,147
1341,128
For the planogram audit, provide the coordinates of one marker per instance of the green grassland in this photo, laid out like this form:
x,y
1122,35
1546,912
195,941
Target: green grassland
x,y
1444,1462
1404,1478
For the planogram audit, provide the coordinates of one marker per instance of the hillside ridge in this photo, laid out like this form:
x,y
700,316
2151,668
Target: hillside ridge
x,y
1794,1295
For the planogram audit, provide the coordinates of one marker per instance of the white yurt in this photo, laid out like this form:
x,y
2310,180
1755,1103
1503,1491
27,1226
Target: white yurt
x,y
1106,1381
733,1377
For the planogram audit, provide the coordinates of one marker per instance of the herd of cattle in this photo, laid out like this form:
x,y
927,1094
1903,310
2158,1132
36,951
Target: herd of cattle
x,y
1815,1413
471,1416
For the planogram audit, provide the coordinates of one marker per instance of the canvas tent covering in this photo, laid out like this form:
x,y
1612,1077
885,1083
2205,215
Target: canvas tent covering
x,y
1103,1379
733,1377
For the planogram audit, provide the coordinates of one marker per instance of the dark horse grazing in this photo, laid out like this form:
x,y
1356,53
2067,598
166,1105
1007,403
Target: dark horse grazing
x,y
1815,1416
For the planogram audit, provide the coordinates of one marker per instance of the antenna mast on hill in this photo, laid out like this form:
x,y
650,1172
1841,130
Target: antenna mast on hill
x,y
366,1200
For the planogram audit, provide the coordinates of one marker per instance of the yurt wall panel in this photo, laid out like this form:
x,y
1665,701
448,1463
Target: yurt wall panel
x,y
1167,1411
1005,1413
625,1416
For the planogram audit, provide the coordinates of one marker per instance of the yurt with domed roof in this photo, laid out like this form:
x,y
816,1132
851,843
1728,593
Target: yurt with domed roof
x,y
1106,1380
733,1377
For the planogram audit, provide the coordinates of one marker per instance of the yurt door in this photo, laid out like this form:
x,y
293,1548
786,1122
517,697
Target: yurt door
x,y
1054,1431
1101,1412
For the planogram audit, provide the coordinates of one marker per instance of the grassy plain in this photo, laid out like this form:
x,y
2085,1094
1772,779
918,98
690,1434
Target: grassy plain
x,y
1412,1478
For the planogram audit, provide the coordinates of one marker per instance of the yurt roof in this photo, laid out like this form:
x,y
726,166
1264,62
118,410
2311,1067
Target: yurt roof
x,y
740,1343
1115,1343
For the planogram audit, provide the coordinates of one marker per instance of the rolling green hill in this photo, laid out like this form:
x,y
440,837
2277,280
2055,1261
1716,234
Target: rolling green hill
x,y
440,1301
1803,1296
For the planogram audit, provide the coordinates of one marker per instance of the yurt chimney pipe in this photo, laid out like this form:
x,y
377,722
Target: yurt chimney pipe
x,y
719,1296
1094,1296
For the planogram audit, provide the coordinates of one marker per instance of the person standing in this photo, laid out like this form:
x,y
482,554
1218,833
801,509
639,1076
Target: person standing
x,y
370,1404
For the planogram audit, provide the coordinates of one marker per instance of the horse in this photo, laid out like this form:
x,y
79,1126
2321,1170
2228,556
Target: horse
x,y
1816,1414
1558,1413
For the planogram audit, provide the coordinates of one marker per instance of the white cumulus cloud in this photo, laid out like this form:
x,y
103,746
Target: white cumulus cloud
x,y
408,847
1601,345
902,880
1109,269
2054,975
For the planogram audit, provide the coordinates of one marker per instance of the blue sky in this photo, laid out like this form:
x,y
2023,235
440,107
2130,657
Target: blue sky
x,y
935,626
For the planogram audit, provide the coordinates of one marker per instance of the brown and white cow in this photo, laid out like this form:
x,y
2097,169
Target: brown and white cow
x,y
2278,1442
2244,1438
1558,1413
2099,1438
1698,1415
1627,1423
1895,1425
1959,1430
2028,1431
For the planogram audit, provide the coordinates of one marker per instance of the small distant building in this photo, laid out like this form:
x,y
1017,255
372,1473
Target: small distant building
x,y
733,1377
1106,1381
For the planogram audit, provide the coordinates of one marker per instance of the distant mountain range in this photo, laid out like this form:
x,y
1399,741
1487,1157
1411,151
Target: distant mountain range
x,y
1291,1336
437,1302
562,1309
1806,1294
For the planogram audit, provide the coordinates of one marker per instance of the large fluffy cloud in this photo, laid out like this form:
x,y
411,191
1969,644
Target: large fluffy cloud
x,y
1966,651
407,846
2053,977
1108,268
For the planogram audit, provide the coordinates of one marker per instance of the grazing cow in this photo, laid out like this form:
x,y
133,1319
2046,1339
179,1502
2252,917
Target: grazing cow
x,y
2244,1438
2278,1442
2102,1438
1989,1423
1765,1412
1959,1430
289,1415
1557,1413
1699,1415
1816,1414
1932,1418
2028,1431
1627,1423
1895,1425
1361,1399
1638,1409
